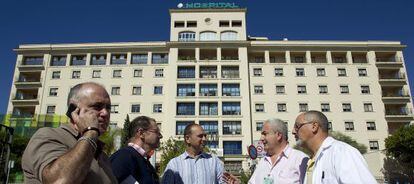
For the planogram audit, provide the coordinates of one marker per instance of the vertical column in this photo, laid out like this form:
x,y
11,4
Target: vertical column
x,y
328,57
218,54
349,57
287,56
46,60
108,58
371,57
68,58
149,57
266,56
129,56
399,57
88,59
308,57
197,54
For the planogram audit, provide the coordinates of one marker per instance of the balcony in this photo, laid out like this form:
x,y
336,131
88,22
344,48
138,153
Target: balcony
x,y
277,57
395,97
256,57
118,59
159,59
398,113
208,55
393,78
389,62
28,80
78,60
339,57
25,98
229,54
298,57
187,55
98,60
31,63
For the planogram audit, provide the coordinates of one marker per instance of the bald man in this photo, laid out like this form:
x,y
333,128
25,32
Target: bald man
x,y
332,161
72,152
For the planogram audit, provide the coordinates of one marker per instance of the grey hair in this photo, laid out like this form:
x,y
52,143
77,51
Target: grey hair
x,y
74,91
278,126
318,117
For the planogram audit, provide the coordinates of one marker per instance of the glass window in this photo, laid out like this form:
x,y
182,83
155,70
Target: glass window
x,y
76,74
56,75
191,23
135,108
138,73
259,107
259,126
185,89
346,107
371,125
179,24
301,89
118,59
231,127
349,126
208,36
344,89
186,72
78,60
180,126
160,58
362,72
98,59
58,61
117,74
96,74
323,89
53,91
341,72
115,109
325,107
300,72
257,72
279,72
208,72
232,148
157,108
373,145
281,107
368,107
185,108
258,89
229,72
209,127
236,23
208,89
228,35
208,108
159,72
365,89
231,89
280,89
116,90
136,90
303,107
320,72
186,36
139,59
157,90
231,108
50,109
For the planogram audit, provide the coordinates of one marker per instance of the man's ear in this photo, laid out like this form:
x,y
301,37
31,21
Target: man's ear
x,y
186,137
139,133
315,127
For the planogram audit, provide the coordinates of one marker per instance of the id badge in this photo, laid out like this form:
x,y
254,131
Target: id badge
x,y
268,180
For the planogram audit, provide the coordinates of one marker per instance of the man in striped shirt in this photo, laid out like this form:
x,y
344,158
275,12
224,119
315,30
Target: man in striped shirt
x,y
194,166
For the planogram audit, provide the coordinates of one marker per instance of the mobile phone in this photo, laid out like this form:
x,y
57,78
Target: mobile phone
x,y
71,108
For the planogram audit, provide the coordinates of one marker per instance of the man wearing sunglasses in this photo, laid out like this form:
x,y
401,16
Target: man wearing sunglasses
x,y
130,164
332,161
193,166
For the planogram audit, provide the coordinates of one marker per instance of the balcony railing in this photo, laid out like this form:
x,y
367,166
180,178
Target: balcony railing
x,y
118,61
28,79
58,62
77,62
25,97
186,58
231,112
392,76
98,62
359,60
229,58
395,94
277,60
33,61
388,60
401,111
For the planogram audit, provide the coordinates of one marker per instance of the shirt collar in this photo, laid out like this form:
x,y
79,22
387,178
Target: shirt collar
x,y
325,145
185,155
68,127
285,153
138,148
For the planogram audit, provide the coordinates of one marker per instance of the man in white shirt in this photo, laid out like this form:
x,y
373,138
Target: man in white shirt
x,y
332,161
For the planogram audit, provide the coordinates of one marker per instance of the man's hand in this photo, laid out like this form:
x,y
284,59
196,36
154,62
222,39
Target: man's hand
x,y
230,179
84,118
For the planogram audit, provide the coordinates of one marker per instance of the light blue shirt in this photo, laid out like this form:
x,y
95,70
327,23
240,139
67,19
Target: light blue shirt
x,y
204,169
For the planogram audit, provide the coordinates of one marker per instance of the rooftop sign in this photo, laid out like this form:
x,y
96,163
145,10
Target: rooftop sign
x,y
207,5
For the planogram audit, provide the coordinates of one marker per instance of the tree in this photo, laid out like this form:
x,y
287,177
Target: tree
x,y
399,164
170,149
125,132
109,138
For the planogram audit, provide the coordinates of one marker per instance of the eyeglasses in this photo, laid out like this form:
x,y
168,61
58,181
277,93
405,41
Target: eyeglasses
x,y
298,126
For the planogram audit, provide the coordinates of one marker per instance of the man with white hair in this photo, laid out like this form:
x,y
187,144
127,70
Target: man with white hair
x,y
282,164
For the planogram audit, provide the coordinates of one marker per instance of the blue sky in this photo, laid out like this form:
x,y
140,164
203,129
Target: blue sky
x,y
79,21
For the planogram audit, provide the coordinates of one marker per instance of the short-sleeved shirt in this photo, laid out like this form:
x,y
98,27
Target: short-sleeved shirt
x,y
48,144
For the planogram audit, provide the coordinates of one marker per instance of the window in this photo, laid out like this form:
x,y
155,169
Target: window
x,y
191,23
179,24
298,59
301,89
208,108
78,60
320,72
180,126
157,90
258,89
186,36
208,72
281,107
257,72
136,90
259,126
280,89
278,72
228,72
185,89
135,108
159,72
76,74
346,107
96,74
53,91
371,125
362,72
368,107
185,108
115,109
231,89
208,36
56,75
365,89
323,89
341,72
98,60
236,23
159,58
325,107
373,145
157,108
232,148
50,109
139,59
58,61
117,74
231,127
303,107
344,89
228,35
259,107
186,72
330,126
208,89
209,127
349,126
118,59
138,73
300,72
231,108
116,91
224,23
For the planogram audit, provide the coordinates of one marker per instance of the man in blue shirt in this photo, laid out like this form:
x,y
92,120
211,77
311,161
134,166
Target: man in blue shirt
x,y
194,166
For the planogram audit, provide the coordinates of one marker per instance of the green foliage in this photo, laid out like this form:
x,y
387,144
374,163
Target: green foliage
x,y
109,139
125,132
170,149
244,177
347,139
399,163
